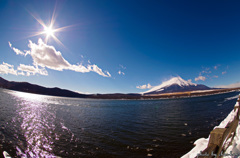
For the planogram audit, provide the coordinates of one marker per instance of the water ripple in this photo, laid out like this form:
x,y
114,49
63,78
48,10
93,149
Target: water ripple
x,y
43,126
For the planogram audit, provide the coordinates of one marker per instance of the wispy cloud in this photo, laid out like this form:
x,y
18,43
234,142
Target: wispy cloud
x,y
44,55
200,78
121,73
6,68
22,73
31,70
210,73
224,72
17,51
98,70
24,70
148,86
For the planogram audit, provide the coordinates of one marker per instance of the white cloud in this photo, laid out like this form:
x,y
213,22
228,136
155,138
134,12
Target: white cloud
x,y
25,70
21,73
79,68
200,78
224,72
121,73
8,65
31,70
10,45
108,74
47,56
234,85
98,70
17,51
148,86
207,71
6,68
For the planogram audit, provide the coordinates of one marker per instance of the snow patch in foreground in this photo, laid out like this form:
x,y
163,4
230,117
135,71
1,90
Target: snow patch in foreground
x,y
235,147
201,144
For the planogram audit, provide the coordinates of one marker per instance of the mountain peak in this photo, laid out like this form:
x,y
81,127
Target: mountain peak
x,y
177,81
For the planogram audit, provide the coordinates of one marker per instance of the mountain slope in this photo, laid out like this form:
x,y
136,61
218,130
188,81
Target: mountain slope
x,y
176,84
32,88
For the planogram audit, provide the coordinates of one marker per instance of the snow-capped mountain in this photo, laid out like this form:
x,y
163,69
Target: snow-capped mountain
x,y
176,84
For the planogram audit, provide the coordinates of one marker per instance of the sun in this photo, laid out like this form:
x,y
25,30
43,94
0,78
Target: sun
x,y
49,31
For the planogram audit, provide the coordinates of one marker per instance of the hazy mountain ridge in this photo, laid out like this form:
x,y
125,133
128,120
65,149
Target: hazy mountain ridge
x,y
33,88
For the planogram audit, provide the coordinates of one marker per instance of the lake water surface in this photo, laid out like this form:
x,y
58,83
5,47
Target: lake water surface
x,y
44,126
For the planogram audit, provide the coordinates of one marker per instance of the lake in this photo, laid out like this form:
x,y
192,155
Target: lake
x,y
45,126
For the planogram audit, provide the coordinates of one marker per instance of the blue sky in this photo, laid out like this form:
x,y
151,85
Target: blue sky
x,y
117,46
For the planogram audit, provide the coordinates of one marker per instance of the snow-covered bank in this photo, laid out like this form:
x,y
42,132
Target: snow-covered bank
x,y
235,147
202,143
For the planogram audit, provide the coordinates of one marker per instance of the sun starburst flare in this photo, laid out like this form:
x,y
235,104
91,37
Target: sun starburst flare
x,y
49,30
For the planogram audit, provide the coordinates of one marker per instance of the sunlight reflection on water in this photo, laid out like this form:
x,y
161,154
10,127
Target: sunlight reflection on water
x,y
37,125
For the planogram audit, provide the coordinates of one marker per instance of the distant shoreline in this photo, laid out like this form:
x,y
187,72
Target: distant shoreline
x,y
58,92
119,96
176,95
